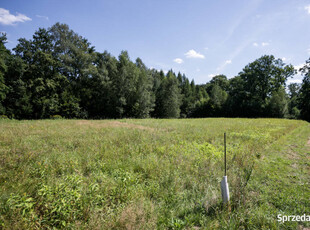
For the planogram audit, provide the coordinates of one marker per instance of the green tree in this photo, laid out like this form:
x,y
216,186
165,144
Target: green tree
x,y
237,98
218,98
43,81
17,103
144,103
99,85
76,57
278,106
220,80
124,85
158,78
262,77
59,72
294,93
305,92
217,89
3,68
199,106
187,98
169,97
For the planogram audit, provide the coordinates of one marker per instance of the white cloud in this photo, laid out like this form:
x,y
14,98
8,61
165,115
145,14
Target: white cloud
x,y
194,54
297,78
297,67
212,75
262,44
307,8
178,60
9,19
41,16
227,62
292,80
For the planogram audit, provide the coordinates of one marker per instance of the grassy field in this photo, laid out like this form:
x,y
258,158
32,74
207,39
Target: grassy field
x,y
153,174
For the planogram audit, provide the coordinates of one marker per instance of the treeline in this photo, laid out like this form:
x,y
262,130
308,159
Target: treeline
x,y
59,73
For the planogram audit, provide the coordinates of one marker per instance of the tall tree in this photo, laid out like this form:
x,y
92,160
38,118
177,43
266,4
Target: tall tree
x,y
262,77
305,92
217,89
237,98
144,103
188,99
219,80
59,72
169,97
278,106
17,103
76,56
158,78
3,68
218,98
124,85
43,81
294,93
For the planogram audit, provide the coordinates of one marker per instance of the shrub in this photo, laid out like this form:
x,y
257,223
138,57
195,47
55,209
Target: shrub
x,y
55,117
3,117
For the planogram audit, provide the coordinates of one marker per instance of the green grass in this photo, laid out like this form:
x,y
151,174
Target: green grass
x,y
152,174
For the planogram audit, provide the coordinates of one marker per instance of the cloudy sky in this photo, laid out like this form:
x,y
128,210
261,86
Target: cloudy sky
x,y
200,38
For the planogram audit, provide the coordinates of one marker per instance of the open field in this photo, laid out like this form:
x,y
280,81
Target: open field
x,y
153,174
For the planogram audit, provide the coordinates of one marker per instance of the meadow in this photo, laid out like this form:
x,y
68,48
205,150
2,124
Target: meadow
x,y
153,173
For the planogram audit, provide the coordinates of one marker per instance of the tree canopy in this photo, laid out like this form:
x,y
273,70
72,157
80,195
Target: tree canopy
x,y
59,72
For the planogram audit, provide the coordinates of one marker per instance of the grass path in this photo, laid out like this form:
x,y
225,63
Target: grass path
x,y
280,181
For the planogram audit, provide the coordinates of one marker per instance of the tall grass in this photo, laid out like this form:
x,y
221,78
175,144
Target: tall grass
x,y
134,174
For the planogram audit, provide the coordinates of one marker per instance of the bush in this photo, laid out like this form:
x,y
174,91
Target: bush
x,y
55,117
3,117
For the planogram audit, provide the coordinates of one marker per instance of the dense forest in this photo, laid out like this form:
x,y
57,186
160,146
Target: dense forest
x,y
58,73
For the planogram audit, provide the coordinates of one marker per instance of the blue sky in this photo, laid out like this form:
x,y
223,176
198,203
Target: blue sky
x,y
200,38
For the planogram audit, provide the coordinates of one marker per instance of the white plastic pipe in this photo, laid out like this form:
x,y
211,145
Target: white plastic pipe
x,y
225,190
